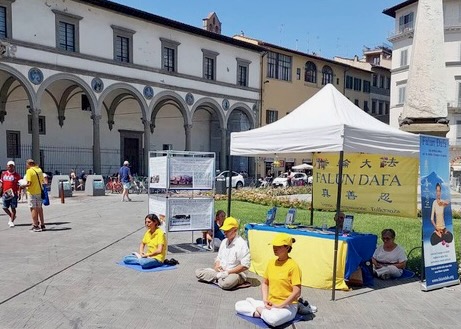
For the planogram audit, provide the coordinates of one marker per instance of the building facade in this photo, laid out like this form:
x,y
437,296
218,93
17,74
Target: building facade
x,y
402,38
378,61
291,77
87,84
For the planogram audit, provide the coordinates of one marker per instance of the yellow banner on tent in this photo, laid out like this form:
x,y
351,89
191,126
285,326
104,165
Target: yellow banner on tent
x,y
372,183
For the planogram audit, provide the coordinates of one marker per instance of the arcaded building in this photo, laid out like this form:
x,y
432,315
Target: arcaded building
x,y
87,84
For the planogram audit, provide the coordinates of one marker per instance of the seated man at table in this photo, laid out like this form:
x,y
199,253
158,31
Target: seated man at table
x,y
339,220
232,261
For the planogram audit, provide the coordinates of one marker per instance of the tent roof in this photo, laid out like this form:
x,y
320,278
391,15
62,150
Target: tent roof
x,y
327,122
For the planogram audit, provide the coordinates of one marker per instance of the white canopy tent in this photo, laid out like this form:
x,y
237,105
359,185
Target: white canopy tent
x,y
303,166
327,122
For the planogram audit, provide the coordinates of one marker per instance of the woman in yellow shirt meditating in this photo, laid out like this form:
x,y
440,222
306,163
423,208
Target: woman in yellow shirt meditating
x,y
155,241
281,287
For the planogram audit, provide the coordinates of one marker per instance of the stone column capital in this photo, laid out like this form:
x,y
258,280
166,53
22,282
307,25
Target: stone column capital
x,y
34,111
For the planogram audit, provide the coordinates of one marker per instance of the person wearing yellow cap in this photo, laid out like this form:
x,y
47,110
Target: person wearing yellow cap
x,y
232,261
281,287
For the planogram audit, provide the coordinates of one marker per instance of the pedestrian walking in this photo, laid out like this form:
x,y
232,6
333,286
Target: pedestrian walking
x,y
9,187
35,180
124,176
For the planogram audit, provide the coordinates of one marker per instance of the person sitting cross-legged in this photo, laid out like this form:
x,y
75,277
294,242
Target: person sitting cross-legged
x,y
155,240
232,261
281,287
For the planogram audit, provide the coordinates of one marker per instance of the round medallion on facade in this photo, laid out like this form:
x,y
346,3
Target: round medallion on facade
x,y
97,85
148,92
189,99
35,76
225,104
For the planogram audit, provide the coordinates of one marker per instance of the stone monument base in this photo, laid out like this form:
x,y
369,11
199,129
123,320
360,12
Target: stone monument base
x,y
428,126
433,129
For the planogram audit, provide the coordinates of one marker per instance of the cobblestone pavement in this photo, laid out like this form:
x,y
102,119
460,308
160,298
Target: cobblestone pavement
x,y
67,277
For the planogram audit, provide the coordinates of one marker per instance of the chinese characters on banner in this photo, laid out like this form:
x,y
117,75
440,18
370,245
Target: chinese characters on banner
x,y
439,246
378,184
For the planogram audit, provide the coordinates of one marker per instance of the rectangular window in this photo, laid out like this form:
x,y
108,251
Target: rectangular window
x,y
404,57
401,95
209,64
271,116
243,69
349,82
67,31
67,36
357,84
356,102
168,59
458,129
278,66
166,147
3,30
381,81
242,76
380,108
366,86
123,44
169,55
41,124
373,106
13,144
209,68
365,106
298,73
122,49
406,22
388,83
386,108
375,80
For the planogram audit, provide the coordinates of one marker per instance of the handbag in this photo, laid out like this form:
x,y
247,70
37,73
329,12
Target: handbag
x,y
43,192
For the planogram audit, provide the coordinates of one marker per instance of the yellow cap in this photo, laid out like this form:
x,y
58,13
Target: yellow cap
x,y
282,239
229,223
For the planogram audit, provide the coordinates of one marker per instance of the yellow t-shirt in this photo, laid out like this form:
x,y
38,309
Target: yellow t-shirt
x,y
282,276
153,240
31,176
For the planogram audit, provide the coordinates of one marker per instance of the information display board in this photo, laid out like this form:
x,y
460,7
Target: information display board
x,y
174,176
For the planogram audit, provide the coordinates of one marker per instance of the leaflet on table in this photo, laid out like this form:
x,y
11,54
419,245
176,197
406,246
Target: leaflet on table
x,y
290,218
158,172
191,173
190,214
348,223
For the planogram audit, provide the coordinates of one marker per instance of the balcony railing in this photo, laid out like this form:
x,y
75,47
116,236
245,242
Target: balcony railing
x,y
403,29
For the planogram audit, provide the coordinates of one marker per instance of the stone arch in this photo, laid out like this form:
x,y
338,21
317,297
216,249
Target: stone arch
x,y
23,81
210,102
77,80
245,109
132,91
169,97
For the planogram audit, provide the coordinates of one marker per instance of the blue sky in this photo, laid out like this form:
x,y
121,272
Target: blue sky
x,y
327,27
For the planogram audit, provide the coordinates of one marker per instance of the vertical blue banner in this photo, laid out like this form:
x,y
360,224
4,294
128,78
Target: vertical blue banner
x,y
440,265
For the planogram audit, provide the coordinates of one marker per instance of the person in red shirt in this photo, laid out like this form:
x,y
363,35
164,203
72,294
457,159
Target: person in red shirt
x,y
9,186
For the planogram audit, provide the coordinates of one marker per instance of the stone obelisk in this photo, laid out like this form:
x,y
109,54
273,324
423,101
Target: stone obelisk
x,y
425,108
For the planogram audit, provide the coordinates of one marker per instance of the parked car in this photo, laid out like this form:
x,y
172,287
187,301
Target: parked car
x,y
237,179
282,180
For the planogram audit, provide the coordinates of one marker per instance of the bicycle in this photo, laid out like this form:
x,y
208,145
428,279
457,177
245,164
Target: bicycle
x,y
114,186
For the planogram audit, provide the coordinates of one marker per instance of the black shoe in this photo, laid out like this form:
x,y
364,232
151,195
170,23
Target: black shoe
x,y
43,227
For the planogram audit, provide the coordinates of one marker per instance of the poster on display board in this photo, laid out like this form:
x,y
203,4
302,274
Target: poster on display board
x,y
191,173
157,205
372,183
186,214
158,177
440,265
